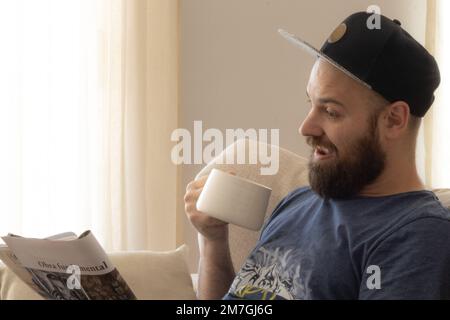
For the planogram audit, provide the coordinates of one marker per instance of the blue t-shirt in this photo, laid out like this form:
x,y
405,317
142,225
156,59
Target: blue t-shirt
x,y
391,247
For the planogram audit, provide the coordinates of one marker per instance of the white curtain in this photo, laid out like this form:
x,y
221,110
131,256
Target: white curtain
x,y
88,99
434,149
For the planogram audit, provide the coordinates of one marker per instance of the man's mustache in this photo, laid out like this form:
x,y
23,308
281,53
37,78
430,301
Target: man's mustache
x,y
313,142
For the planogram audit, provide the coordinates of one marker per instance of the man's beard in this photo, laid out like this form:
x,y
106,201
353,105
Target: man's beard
x,y
346,176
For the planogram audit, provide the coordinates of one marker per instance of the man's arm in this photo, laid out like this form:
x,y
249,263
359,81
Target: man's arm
x,y
216,272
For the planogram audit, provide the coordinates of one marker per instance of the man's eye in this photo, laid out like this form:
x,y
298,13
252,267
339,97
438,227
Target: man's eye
x,y
331,113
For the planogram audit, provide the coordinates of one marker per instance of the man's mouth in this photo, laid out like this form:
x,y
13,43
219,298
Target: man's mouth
x,y
323,153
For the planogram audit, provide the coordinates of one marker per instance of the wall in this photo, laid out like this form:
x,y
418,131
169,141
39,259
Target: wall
x,y
237,72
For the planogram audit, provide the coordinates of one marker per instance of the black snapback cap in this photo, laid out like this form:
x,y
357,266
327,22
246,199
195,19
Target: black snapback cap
x,y
387,60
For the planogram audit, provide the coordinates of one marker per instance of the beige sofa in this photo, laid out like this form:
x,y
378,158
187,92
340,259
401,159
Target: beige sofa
x,y
165,275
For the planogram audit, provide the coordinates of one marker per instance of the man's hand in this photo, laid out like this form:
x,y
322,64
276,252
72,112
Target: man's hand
x,y
216,272
210,228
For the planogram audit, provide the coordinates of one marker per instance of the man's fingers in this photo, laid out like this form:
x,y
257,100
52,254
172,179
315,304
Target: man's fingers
x,y
200,182
192,195
190,208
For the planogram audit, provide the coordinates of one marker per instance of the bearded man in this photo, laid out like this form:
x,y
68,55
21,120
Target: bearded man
x,y
365,227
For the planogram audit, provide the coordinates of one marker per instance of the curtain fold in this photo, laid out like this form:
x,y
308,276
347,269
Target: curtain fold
x,y
141,110
91,99
435,151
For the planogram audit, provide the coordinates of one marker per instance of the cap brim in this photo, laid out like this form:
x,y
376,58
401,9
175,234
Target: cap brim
x,y
318,54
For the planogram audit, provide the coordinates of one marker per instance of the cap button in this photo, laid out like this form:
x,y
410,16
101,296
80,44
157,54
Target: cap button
x,y
397,22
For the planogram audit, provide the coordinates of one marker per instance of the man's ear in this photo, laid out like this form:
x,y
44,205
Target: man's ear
x,y
395,119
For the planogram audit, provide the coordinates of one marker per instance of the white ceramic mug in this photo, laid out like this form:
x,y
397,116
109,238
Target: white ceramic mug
x,y
234,200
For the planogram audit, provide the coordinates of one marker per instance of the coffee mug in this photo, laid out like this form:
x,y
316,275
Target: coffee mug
x,y
234,200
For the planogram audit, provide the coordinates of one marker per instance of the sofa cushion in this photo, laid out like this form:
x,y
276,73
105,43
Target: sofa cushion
x,y
151,276
156,275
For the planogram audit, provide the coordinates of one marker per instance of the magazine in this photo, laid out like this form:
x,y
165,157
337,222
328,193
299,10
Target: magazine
x,y
65,267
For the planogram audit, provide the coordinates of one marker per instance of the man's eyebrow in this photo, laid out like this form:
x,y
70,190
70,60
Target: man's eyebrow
x,y
326,100
331,100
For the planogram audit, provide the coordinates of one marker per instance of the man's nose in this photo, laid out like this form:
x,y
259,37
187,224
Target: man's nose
x,y
311,126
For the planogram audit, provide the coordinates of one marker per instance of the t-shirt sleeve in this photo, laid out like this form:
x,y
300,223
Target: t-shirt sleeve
x,y
413,262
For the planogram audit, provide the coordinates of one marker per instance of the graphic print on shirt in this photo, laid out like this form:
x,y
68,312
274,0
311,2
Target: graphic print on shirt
x,y
271,274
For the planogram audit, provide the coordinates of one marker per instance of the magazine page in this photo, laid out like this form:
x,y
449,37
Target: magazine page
x,y
67,269
63,236
11,261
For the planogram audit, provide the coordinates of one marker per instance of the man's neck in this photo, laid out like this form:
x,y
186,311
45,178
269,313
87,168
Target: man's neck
x,y
396,178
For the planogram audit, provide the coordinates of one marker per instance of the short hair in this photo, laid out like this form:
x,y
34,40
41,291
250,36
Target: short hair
x,y
378,103
414,123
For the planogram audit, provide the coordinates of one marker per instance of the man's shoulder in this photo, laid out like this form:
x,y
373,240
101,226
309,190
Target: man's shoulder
x,y
428,206
425,220
415,211
408,206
